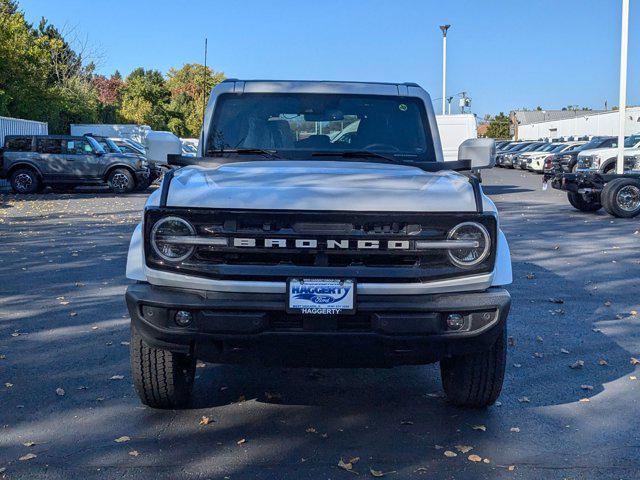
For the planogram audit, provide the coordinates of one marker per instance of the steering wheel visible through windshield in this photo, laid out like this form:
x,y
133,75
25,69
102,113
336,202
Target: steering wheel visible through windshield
x,y
300,125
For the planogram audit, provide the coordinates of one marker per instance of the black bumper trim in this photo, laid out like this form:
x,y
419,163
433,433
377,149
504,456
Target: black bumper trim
x,y
392,329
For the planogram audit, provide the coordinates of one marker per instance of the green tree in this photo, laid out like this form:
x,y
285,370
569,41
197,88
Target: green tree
x,y
145,99
499,127
190,87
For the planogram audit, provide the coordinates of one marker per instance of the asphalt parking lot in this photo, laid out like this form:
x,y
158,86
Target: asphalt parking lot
x,y
66,395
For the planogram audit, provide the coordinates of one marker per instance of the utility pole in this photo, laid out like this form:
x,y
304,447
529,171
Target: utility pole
x,y
622,112
444,29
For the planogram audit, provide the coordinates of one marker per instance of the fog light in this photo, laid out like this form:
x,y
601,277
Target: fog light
x,y
455,321
183,318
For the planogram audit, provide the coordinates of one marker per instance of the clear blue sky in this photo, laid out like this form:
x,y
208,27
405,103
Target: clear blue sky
x,y
505,53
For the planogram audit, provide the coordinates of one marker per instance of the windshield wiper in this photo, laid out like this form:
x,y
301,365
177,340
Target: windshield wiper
x,y
246,151
355,154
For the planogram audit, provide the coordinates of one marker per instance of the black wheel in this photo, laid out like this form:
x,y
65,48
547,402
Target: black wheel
x,y
161,378
475,380
25,180
621,197
121,180
585,202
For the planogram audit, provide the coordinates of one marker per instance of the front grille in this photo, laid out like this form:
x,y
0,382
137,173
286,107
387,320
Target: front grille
x,y
385,263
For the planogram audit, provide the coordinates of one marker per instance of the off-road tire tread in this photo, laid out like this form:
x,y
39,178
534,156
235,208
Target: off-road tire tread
x,y
610,191
158,375
579,203
132,181
475,380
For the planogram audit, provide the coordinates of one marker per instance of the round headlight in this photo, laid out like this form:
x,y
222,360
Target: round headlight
x,y
165,239
467,257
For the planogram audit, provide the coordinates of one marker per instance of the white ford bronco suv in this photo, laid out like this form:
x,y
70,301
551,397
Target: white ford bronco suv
x,y
287,242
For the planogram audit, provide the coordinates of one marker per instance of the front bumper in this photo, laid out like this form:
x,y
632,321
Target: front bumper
x,y
385,331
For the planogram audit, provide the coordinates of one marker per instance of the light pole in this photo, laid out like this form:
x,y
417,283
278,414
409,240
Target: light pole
x,y
622,112
444,29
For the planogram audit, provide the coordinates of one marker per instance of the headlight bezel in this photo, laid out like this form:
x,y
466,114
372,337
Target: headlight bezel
x,y
158,251
486,249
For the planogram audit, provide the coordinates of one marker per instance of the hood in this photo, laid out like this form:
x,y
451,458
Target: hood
x,y
320,185
602,152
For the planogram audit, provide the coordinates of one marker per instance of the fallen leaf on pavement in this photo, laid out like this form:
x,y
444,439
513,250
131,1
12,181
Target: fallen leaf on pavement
x,y
586,387
475,458
531,276
633,377
29,444
515,429
406,422
204,420
60,392
603,362
524,400
564,350
348,466
577,364
556,300
584,400
311,430
117,377
376,473
634,361
480,427
28,456
122,439
511,468
241,441
450,454
464,448
607,303
486,460
134,453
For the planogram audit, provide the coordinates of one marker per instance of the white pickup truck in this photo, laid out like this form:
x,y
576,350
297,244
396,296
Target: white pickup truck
x,y
285,242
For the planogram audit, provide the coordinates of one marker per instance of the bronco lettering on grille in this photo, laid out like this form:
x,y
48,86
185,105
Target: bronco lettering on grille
x,y
330,244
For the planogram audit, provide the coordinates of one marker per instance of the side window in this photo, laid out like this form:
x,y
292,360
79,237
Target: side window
x,y
19,144
78,147
49,145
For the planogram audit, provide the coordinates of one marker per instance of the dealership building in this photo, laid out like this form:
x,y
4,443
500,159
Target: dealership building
x,y
562,124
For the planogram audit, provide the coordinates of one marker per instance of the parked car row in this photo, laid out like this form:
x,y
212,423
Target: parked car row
x,y
533,155
63,162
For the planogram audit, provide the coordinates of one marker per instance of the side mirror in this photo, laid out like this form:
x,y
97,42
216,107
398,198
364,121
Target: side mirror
x,y
481,152
160,144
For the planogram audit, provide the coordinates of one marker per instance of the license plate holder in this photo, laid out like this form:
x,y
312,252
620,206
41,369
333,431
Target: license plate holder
x,y
321,296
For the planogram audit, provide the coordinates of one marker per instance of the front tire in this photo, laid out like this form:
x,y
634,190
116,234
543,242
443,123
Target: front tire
x,y
621,197
475,380
121,180
584,203
25,180
162,379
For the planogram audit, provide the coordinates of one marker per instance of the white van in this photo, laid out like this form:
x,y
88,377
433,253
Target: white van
x,y
455,129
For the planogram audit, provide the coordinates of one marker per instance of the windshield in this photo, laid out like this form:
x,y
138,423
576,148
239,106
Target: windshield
x,y
519,147
558,148
108,145
631,141
533,147
299,124
96,146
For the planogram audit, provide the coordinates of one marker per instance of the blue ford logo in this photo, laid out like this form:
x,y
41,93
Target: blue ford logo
x,y
320,294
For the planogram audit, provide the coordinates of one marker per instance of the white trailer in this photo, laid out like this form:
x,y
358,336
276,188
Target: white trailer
x,y
113,130
18,126
455,129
